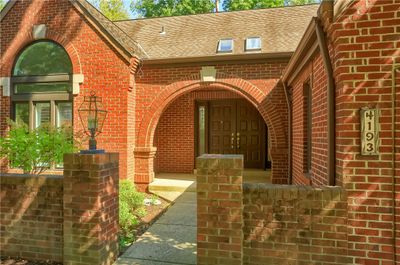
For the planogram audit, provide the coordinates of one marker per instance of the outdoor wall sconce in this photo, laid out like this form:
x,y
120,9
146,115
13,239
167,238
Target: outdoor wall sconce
x,y
92,115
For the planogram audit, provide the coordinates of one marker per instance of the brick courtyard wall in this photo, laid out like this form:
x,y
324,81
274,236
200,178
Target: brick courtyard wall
x,y
219,209
294,225
104,70
91,208
31,218
261,224
71,219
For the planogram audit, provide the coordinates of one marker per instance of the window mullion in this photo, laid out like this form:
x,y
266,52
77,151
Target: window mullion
x,y
31,115
42,79
52,113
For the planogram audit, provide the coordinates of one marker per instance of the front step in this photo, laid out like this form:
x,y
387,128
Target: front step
x,y
171,189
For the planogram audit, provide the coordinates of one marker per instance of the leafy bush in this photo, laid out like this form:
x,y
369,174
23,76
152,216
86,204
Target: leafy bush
x,y
35,151
130,210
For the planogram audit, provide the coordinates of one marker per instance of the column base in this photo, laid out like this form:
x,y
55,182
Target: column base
x,y
144,166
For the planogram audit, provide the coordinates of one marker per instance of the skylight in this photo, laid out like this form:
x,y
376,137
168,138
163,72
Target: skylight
x,y
225,45
253,43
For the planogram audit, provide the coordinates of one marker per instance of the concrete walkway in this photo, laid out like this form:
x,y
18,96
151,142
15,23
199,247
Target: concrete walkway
x,y
170,240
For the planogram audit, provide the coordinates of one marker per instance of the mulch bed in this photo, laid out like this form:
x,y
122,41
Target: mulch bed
x,y
153,212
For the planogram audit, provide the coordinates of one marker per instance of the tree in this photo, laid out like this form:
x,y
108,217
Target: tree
x,y
112,9
2,4
232,5
301,2
160,8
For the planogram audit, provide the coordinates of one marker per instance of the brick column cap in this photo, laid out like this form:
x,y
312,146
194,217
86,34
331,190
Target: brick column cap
x,y
219,161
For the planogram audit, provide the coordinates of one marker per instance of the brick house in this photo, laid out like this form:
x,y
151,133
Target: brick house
x,y
148,70
283,86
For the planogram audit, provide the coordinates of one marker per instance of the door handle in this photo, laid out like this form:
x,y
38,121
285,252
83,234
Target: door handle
x,y
232,140
238,140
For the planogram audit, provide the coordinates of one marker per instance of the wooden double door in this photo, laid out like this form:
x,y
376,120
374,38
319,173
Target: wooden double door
x,y
236,127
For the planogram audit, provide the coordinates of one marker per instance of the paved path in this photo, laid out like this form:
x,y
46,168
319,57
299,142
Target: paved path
x,y
170,240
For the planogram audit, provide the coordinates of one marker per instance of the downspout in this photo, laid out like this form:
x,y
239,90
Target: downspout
x,y
394,131
289,132
331,103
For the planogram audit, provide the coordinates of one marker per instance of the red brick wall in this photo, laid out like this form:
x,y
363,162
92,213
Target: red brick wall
x,y
315,74
366,42
31,224
104,70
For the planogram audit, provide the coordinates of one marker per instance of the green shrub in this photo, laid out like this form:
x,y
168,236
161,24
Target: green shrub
x,y
130,210
34,151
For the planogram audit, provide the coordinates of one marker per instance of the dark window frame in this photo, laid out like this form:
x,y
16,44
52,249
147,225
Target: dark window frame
x,y
35,97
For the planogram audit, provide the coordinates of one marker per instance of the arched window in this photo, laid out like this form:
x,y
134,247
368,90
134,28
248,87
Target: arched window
x,y
42,85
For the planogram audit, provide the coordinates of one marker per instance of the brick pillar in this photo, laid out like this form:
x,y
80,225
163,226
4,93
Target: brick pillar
x,y
91,184
219,209
144,167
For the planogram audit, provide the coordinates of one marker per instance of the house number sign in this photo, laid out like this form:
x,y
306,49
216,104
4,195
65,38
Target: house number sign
x,y
369,131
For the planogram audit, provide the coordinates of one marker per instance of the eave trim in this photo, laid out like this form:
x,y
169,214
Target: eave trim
x,y
307,41
218,58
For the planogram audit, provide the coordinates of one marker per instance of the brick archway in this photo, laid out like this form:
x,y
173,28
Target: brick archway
x,y
268,104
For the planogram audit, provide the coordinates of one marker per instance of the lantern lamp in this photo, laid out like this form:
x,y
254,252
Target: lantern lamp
x,y
92,116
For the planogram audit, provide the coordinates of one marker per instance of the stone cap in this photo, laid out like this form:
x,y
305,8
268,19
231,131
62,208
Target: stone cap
x,y
208,161
90,161
275,191
31,180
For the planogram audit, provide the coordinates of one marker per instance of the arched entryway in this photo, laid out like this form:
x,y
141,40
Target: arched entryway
x,y
271,106
210,121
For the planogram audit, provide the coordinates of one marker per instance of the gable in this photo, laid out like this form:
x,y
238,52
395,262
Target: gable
x,y
126,46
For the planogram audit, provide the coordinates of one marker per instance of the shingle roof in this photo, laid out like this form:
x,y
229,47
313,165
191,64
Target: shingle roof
x,y
197,35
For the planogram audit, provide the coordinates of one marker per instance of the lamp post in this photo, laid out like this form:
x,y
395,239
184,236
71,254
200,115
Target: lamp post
x,y
92,116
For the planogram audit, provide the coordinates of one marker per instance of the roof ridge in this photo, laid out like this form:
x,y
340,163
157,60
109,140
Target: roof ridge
x,y
217,13
119,40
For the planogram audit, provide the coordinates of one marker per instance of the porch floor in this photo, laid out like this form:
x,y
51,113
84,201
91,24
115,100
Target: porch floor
x,y
171,185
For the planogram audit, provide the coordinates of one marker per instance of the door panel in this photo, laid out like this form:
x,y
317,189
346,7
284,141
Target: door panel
x,y
251,135
222,124
236,127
